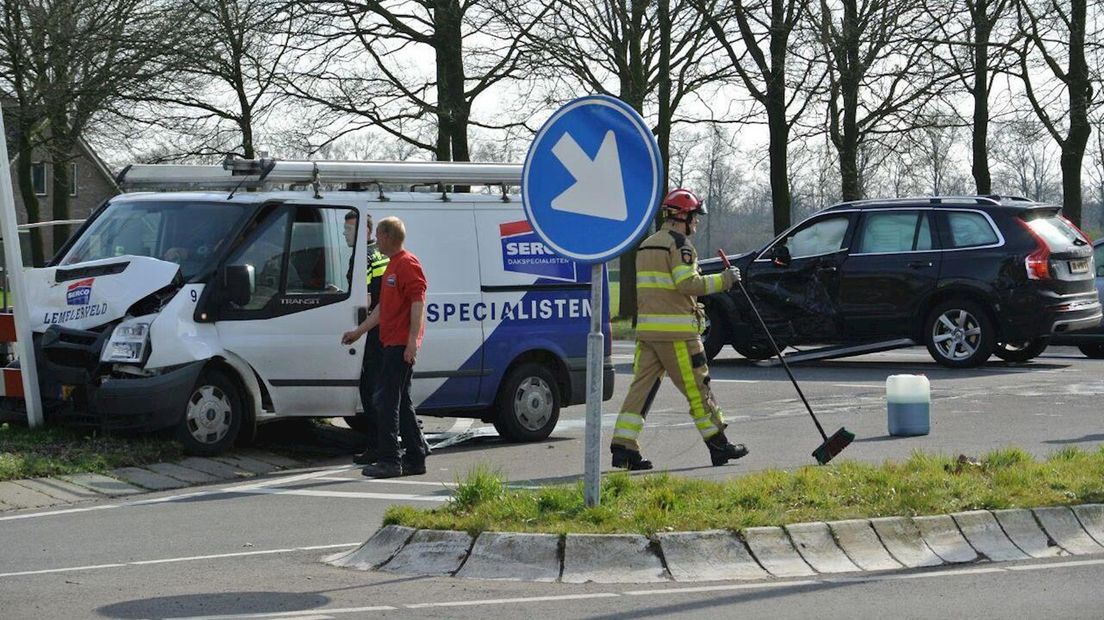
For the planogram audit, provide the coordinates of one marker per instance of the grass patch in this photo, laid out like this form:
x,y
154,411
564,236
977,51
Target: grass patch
x,y
622,329
924,484
27,453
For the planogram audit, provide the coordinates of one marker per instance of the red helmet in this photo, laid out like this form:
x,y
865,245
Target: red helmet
x,y
683,201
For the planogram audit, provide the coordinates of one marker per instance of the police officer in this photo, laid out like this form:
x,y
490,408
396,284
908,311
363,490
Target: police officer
x,y
377,264
668,329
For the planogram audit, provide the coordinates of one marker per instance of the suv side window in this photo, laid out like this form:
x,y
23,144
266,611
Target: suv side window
x,y
969,230
888,232
822,237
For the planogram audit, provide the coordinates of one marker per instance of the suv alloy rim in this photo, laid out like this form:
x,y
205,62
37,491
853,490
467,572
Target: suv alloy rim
x,y
533,403
956,334
209,414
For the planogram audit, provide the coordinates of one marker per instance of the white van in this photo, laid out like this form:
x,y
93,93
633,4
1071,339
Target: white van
x,y
212,312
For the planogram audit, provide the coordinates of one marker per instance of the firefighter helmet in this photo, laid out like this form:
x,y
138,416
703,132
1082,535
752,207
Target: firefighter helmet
x,y
683,202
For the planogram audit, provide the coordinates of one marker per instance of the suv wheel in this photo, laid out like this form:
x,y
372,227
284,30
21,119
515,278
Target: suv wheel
x,y
1023,351
755,351
528,404
959,334
1095,351
212,416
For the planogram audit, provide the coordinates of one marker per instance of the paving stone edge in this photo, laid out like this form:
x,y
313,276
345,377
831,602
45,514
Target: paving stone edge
x,y
628,558
144,479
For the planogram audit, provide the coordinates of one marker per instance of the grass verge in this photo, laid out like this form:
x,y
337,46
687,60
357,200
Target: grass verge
x,y
26,453
622,329
924,484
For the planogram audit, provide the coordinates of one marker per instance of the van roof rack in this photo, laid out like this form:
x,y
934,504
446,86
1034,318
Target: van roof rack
x,y
250,173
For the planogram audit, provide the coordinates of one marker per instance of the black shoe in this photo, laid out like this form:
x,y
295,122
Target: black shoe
x,y
631,460
382,470
369,456
410,467
721,451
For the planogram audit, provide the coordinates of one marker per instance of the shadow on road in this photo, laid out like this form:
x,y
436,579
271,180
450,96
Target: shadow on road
x,y
1082,439
215,604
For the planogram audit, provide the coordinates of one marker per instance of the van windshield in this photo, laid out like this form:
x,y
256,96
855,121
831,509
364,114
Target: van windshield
x,y
192,235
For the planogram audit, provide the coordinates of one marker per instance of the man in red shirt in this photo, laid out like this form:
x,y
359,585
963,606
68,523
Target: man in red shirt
x,y
400,316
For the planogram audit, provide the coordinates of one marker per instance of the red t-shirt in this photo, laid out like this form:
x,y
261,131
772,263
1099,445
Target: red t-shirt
x,y
403,284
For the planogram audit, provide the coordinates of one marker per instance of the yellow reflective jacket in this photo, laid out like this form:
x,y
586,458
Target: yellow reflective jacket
x,y
668,283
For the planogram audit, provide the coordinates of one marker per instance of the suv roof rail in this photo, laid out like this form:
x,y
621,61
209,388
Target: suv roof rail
x,y
235,172
933,200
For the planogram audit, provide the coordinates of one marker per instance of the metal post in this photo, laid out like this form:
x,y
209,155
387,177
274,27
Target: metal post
x,y
13,258
592,472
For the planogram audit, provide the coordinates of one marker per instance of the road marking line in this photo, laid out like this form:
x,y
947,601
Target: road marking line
x,y
859,385
58,512
507,601
1056,565
302,615
712,380
183,559
346,494
739,586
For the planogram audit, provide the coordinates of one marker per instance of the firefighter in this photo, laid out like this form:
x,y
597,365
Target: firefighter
x,y
668,339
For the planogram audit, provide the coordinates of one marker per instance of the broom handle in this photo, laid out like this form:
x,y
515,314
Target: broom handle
x,y
774,345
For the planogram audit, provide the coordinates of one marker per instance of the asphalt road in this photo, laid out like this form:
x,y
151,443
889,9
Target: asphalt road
x,y
253,547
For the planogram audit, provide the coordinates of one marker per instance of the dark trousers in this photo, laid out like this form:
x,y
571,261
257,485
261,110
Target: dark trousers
x,y
395,409
369,373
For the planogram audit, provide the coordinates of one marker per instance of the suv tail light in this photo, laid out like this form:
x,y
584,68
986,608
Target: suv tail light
x,y
1038,262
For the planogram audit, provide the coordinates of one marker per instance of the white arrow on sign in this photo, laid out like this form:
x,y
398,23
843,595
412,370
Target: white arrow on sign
x,y
598,190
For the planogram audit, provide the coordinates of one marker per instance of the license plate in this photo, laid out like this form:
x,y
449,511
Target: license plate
x,y
1079,266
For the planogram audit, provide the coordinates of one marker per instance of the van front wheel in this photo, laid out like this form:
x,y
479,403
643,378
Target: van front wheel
x,y
528,405
212,416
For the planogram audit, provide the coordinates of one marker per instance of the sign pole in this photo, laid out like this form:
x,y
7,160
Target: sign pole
x,y
13,261
592,470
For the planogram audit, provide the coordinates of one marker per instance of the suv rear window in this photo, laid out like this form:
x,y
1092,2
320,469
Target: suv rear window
x,y
970,230
1058,234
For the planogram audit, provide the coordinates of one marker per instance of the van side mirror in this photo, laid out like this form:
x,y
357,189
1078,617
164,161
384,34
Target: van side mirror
x,y
239,283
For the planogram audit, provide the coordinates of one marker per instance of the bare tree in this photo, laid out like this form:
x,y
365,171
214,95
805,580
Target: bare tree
x,y
1024,159
69,61
230,72
473,50
1096,173
1056,45
967,31
881,71
760,52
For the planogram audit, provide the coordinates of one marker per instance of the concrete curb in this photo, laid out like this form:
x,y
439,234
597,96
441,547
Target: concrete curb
x,y
798,550
127,481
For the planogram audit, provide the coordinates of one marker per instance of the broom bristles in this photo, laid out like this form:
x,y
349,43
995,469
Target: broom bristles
x,y
835,444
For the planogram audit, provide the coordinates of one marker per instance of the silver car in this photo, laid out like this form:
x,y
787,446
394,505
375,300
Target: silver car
x,y
1091,341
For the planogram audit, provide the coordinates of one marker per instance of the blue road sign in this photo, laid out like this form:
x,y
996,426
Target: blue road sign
x,y
592,180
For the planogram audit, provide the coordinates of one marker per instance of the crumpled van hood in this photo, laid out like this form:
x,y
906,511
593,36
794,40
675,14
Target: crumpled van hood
x,y
87,295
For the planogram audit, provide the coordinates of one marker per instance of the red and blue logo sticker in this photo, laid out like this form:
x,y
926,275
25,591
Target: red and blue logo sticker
x,y
79,293
524,252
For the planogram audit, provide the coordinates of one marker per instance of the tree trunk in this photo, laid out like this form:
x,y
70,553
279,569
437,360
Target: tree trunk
x,y
663,127
980,166
1080,94
59,187
452,119
777,127
23,164
850,69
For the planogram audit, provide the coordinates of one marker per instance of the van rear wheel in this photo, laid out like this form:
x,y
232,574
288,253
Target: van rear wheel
x,y
212,416
528,404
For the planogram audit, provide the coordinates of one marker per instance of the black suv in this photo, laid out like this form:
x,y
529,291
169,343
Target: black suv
x,y
967,276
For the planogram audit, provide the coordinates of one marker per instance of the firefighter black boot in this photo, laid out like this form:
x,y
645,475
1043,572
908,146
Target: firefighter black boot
x,y
631,460
721,451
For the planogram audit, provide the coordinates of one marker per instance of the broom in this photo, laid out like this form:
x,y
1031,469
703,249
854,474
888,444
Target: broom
x,y
840,439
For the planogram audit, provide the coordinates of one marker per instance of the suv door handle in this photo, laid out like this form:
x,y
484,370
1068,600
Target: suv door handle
x,y
919,264
827,269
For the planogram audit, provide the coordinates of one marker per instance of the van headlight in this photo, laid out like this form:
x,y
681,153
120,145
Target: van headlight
x,y
128,343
